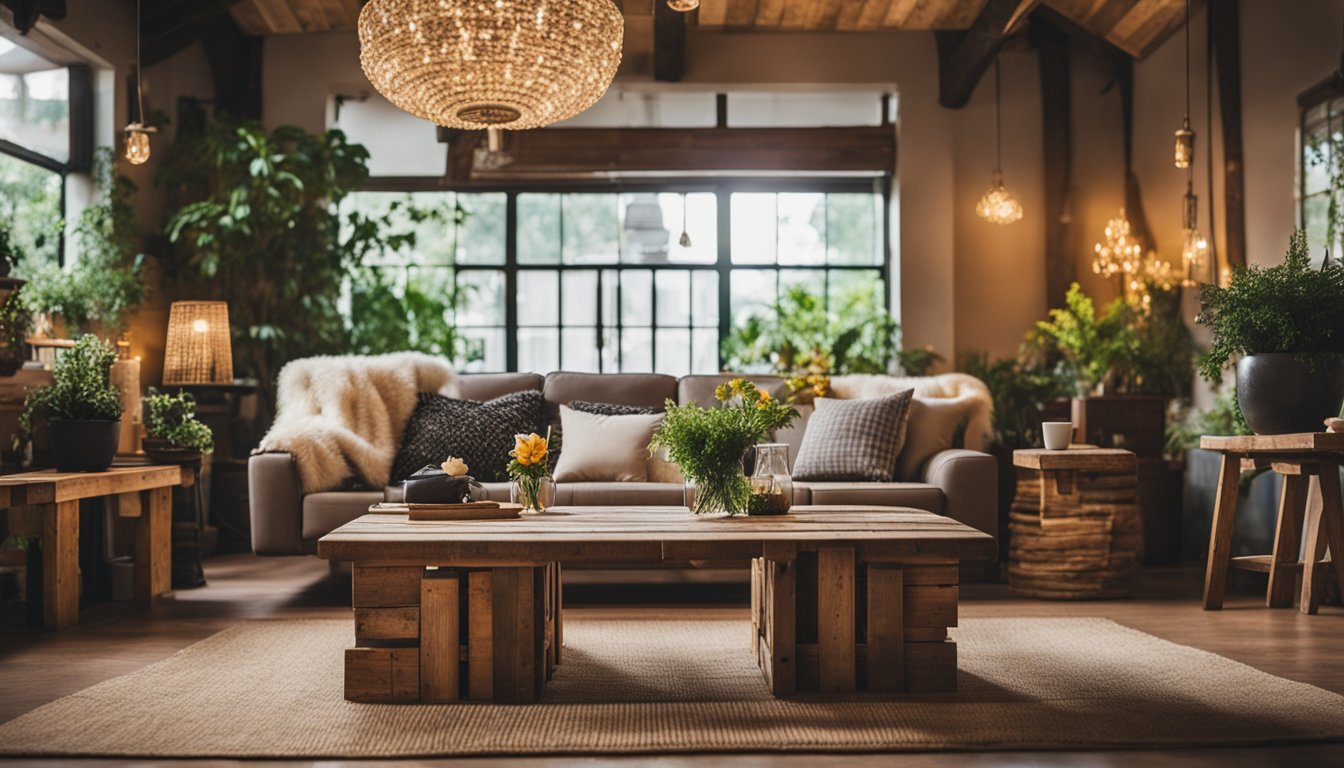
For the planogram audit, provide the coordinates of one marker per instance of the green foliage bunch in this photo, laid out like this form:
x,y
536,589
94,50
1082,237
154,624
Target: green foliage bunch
x,y
173,418
1290,307
798,333
1222,418
708,443
80,389
1019,391
102,286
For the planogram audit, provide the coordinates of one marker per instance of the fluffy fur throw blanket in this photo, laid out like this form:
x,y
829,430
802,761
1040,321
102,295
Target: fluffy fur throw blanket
x,y
969,394
343,417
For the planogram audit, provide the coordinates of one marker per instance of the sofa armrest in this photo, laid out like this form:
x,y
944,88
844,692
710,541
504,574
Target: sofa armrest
x,y
275,504
970,482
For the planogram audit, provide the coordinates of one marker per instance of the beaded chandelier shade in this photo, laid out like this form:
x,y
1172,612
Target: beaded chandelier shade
x,y
198,350
481,64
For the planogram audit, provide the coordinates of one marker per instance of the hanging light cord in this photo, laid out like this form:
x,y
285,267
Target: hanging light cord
x,y
998,125
139,96
1190,167
1208,141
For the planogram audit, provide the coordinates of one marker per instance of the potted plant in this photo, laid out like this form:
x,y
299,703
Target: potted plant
x,y
81,408
175,436
709,444
1283,328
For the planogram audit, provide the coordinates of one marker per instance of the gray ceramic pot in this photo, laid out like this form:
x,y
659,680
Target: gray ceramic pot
x,y
1279,394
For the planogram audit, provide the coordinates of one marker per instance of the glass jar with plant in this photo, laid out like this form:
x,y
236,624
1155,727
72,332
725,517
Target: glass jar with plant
x,y
530,471
1283,329
708,444
81,407
174,435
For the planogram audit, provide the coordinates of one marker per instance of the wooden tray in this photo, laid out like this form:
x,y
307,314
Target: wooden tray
x,y
476,510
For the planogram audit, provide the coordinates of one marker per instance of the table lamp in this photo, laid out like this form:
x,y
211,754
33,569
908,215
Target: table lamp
x,y
198,350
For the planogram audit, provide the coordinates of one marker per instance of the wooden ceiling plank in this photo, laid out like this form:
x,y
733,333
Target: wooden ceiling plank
x,y
712,14
741,13
1148,21
961,15
964,57
926,13
312,15
770,13
897,12
797,14
1147,45
280,20
825,14
249,19
870,15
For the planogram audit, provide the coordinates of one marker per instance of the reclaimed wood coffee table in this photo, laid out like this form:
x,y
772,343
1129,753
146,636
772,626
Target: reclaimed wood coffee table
x,y
844,598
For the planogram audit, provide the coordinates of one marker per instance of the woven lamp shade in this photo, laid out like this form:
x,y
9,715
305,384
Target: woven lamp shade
x,y
198,350
475,64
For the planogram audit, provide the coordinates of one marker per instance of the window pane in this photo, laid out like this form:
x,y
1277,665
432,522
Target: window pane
x,y
752,291
611,281
674,298
636,349
399,143
636,297
674,351
537,294
644,230
847,287
490,344
800,110
580,298
651,228
480,239
754,226
802,228
538,229
482,299
705,298
434,236
35,105
591,231
538,349
579,348
852,235
704,351
30,199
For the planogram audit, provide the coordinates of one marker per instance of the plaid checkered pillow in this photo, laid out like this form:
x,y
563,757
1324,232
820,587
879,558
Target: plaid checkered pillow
x,y
854,439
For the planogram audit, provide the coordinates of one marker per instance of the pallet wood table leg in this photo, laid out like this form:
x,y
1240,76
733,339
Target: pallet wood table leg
x,y
1287,539
60,565
515,657
1313,551
154,545
1332,519
1220,533
886,629
440,641
480,636
783,626
835,619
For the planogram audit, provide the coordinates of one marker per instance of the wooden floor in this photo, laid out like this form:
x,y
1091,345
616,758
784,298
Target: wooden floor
x,y
112,640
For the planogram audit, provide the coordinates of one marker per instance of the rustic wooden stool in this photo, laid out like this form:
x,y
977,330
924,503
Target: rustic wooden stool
x,y
1310,514
1074,530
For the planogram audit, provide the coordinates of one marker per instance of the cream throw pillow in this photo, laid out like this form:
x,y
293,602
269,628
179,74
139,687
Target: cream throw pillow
x,y
935,424
605,448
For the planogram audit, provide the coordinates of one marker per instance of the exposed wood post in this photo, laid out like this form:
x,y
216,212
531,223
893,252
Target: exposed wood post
x,y
1052,46
440,654
1224,18
669,43
60,565
235,66
835,620
154,545
964,57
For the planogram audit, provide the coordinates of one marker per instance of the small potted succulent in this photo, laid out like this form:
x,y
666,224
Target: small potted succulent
x,y
175,436
81,407
1283,329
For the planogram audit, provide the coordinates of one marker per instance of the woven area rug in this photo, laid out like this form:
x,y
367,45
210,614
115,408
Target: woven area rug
x,y
273,689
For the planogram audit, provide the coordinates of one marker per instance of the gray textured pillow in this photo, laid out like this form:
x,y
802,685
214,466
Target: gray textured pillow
x,y
853,439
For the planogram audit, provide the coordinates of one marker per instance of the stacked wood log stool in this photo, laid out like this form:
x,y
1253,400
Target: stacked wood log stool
x,y
1311,515
1075,531
824,622
425,634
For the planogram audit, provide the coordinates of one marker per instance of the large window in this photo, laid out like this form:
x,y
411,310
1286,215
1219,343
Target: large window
x,y
1322,166
639,280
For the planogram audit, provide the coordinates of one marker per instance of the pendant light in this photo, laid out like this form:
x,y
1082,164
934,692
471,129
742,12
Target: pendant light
x,y
505,64
137,133
685,6
685,240
1194,246
998,206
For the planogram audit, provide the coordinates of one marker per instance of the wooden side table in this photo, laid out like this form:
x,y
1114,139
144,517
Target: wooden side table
x,y
1311,516
1075,531
46,505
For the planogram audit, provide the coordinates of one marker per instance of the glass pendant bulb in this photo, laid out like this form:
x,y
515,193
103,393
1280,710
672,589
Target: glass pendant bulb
x,y
1185,145
998,206
137,143
1194,258
685,6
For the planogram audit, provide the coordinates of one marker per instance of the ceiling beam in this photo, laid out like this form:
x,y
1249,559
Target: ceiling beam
x,y
1225,32
168,26
669,43
963,57
26,12
1053,67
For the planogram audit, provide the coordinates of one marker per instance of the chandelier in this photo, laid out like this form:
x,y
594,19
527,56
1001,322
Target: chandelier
x,y
513,64
998,206
1122,257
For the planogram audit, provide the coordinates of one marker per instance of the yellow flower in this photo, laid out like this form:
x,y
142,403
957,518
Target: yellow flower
x,y
529,449
764,401
722,392
454,467
736,386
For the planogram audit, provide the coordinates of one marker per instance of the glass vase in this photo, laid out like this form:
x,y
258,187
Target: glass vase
x,y
771,484
535,494
722,494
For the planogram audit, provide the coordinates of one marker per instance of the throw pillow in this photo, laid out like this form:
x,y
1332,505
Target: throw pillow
x,y
481,434
936,424
853,439
612,409
605,448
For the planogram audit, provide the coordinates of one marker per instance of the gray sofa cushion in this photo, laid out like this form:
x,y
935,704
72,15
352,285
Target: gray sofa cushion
x,y
700,387
649,390
620,494
325,512
488,386
917,495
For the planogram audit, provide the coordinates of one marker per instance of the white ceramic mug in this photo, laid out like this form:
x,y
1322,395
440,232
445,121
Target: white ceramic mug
x,y
1057,434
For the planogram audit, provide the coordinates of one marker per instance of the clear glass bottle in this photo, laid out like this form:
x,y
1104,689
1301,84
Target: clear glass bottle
x,y
771,483
535,494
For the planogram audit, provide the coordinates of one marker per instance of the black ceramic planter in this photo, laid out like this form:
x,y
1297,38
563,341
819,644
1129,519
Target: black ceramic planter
x,y
83,446
1279,394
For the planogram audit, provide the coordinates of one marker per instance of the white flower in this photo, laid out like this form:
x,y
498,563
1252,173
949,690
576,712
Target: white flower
x,y
454,467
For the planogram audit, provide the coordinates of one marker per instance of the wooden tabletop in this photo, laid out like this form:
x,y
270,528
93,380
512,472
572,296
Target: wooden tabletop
x,y
1300,442
1086,459
654,535
51,487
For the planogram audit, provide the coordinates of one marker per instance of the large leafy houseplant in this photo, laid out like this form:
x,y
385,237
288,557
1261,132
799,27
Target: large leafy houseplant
x,y
1019,390
81,406
708,444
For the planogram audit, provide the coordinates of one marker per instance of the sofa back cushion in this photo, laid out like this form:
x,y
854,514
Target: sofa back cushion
x,y
699,388
488,386
648,390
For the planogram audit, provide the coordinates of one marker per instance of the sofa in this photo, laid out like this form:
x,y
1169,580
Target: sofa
x,y
956,481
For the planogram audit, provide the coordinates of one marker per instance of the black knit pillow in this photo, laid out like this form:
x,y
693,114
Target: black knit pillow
x,y
612,409
481,434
